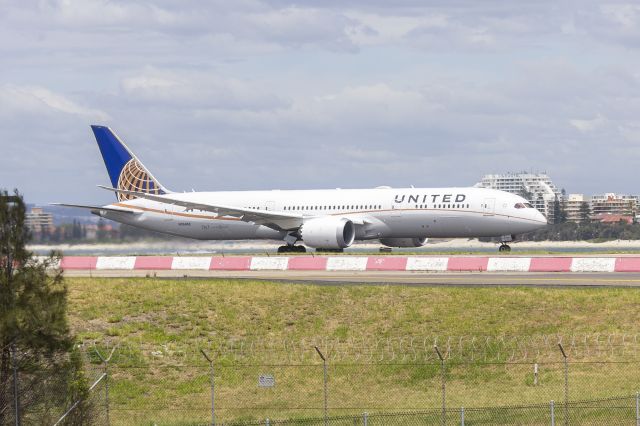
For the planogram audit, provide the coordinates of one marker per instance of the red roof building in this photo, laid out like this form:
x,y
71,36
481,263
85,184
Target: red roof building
x,y
612,218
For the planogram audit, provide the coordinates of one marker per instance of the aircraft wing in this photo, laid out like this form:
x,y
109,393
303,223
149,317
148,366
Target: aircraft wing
x,y
96,208
276,220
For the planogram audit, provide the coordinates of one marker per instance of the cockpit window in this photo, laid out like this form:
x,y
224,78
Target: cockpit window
x,y
527,205
519,206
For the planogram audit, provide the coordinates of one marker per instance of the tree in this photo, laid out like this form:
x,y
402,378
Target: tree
x,y
101,235
33,302
585,212
563,206
556,211
559,211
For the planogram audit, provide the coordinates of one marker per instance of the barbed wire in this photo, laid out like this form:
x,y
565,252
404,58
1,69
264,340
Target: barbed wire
x,y
369,349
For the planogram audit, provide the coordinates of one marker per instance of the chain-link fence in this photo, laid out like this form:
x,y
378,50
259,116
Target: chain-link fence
x,y
389,393
169,385
48,389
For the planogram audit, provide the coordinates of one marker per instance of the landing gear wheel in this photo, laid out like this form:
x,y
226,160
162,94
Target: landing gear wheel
x,y
504,248
291,249
327,250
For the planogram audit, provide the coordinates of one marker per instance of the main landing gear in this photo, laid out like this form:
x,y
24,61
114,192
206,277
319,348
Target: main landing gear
x,y
292,249
290,246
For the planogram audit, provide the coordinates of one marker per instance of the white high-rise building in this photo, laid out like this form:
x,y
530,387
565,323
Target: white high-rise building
x,y
38,221
578,208
610,203
537,188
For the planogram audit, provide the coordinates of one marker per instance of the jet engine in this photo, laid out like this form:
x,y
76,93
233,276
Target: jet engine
x,y
404,242
328,233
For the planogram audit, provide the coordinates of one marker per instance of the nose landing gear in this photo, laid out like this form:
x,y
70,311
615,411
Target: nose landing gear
x,y
504,247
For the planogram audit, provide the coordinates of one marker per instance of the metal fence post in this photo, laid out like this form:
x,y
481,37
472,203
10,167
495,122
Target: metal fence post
x,y
326,404
461,416
444,389
75,404
637,408
365,418
566,385
16,394
105,363
553,414
212,383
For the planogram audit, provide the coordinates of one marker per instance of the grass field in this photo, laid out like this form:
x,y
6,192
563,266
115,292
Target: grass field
x,y
153,386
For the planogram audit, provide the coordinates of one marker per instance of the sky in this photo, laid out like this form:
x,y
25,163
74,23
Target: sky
x,y
255,94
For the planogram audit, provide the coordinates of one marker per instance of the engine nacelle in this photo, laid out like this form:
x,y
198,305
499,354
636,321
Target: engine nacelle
x,y
404,242
328,233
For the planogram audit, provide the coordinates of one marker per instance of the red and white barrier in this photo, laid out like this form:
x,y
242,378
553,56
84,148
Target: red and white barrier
x,y
356,263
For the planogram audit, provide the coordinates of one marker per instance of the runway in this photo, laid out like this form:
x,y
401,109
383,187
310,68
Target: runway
x,y
418,279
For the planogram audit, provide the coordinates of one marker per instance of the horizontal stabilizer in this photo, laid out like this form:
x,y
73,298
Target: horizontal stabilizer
x,y
96,208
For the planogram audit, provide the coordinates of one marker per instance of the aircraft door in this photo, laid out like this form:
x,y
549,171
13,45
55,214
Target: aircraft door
x,y
271,205
168,212
489,207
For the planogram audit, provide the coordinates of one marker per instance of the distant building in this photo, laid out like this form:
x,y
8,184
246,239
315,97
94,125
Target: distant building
x,y
577,207
91,231
537,188
614,204
38,221
612,218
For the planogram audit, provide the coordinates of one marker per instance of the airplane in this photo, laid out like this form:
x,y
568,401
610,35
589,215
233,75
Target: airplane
x,y
327,219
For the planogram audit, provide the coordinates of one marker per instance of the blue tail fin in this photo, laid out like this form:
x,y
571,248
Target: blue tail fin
x,y
125,170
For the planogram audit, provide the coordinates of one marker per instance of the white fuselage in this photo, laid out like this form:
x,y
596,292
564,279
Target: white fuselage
x,y
378,213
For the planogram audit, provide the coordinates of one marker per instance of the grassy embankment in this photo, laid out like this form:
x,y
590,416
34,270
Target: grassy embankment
x,y
149,313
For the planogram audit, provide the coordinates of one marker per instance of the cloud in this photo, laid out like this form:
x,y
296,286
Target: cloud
x,y
196,90
260,94
586,126
34,100
302,26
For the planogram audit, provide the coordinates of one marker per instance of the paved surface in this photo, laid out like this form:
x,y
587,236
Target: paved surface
x,y
476,279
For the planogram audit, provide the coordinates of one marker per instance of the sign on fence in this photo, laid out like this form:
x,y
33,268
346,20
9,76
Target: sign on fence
x,y
266,381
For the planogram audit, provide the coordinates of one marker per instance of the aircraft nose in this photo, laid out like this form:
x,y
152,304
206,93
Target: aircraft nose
x,y
539,217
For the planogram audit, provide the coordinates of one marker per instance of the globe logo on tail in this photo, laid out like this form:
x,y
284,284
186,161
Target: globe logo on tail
x,y
134,177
